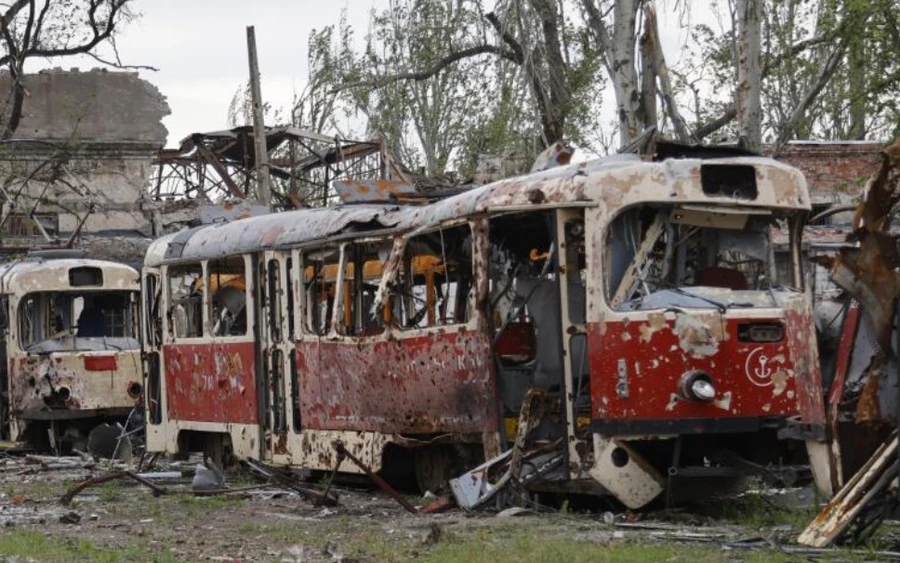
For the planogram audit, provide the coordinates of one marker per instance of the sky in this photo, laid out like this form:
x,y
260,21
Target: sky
x,y
200,50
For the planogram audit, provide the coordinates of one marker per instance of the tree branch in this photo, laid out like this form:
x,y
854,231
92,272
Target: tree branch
x,y
507,38
661,70
427,73
825,74
730,112
118,64
601,34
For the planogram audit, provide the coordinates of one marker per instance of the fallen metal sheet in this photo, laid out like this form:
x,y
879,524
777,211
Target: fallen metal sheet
x,y
474,488
372,191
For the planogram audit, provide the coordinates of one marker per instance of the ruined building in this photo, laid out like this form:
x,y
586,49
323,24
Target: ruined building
x,y
76,170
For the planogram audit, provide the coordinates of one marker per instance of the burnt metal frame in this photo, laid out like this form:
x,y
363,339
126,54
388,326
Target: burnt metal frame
x,y
197,170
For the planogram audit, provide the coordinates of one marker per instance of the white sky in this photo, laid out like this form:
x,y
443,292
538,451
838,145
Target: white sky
x,y
200,49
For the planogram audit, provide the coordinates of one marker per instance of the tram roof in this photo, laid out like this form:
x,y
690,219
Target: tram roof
x,y
52,274
612,182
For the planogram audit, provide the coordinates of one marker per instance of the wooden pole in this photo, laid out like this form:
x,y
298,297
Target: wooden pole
x,y
263,193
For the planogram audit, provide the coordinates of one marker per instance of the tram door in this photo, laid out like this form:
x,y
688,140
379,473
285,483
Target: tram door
x,y
276,346
570,237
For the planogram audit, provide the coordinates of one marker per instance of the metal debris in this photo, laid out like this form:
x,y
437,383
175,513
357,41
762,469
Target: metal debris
x,y
290,482
863,403
67,498
382,484
860,506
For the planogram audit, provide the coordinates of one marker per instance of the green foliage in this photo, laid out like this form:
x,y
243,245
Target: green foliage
x,y
536,72
440,115
859,100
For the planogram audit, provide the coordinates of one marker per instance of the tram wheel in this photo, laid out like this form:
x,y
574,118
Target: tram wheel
x,y
434,467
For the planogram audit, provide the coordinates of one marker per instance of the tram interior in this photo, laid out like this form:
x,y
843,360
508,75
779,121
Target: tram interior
x,y
726,258
83,321
525,301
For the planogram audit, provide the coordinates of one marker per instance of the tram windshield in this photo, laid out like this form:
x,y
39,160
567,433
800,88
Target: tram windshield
x,y
695,256
84,321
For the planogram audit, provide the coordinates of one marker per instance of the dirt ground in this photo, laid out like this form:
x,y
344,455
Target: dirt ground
x,y
122,521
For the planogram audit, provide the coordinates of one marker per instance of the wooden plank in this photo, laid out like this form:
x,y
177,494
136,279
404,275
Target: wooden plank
x,y
839,513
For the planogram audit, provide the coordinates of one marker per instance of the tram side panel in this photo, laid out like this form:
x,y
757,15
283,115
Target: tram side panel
x,y
422,385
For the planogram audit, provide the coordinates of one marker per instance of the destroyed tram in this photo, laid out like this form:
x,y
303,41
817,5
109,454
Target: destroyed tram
x,y
71,358
612,327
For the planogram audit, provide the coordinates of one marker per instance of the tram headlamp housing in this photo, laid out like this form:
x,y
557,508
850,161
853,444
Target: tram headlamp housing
x,y
761,332
697,385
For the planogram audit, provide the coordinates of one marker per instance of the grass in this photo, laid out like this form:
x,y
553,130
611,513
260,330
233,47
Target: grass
x,y
527,549
34,546
756,511
109,492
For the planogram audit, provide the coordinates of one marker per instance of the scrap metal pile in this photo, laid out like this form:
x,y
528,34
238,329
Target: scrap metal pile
x,y
863,407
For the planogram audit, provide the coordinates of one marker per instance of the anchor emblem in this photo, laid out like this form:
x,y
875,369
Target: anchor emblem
x,y
762,371
758,368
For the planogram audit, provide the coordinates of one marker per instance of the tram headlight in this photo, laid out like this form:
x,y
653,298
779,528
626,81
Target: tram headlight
x,y
697,385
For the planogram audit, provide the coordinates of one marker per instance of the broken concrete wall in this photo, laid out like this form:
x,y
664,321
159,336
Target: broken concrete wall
x,y
80,159
94,106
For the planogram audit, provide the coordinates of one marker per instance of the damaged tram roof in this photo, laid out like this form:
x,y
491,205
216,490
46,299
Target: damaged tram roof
x,y
611,182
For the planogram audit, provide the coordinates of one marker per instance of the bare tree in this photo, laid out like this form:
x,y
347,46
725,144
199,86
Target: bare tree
x,y
49,29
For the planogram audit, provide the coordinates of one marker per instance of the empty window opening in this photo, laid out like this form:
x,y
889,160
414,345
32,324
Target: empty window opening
x,y
228,304
320,280
729,180
435,281
186,295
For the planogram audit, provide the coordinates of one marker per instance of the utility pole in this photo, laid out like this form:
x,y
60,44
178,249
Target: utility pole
x,y
263,189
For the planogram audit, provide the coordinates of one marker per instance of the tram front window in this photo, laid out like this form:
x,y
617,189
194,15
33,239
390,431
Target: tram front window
x,y
664,256
61,321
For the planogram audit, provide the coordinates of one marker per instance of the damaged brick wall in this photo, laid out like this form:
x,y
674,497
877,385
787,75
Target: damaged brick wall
x,y
80,162
835,170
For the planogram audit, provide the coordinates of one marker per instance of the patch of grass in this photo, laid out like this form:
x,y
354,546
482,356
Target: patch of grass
x,y
757,511
527,549
211,502
109,492
33,546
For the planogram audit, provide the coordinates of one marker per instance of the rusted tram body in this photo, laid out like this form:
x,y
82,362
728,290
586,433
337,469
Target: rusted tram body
x,y
632,314
71,354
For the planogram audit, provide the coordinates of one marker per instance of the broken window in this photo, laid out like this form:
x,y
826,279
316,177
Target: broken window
x,y
186,289
320,279
289,287
653,252
272,297
51,321
435,282
228,290
276,366
152,296
364,268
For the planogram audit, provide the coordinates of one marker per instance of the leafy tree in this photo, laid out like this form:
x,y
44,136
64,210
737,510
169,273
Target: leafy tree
x,y
446,80
826,71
